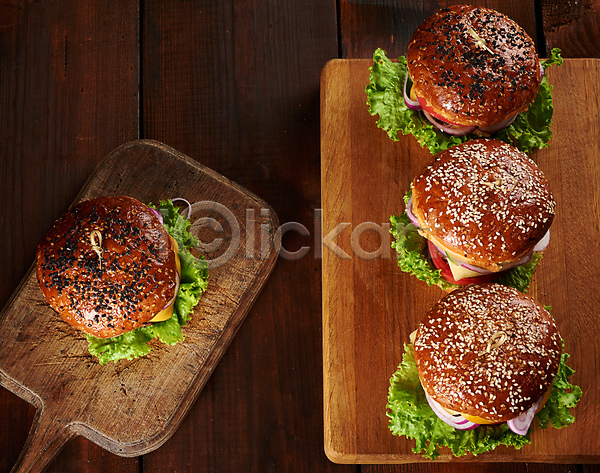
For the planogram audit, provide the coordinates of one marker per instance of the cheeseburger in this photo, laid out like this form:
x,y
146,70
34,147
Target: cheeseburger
x,y
472,68
482,209
487,356
109,266
468,72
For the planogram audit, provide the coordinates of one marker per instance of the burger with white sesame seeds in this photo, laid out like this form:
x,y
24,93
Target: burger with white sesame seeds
x,y
121,272
483,363
480,212
468,71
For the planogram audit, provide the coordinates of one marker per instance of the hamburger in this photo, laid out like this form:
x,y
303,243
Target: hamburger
x,y
484,361
472,68
468,71
481,211
122,273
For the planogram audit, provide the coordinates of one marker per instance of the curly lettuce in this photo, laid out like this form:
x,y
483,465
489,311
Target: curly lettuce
x,y
193,282
410,415
412,254
385,98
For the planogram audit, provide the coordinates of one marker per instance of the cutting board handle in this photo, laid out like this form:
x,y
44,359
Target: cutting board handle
x,y
46,439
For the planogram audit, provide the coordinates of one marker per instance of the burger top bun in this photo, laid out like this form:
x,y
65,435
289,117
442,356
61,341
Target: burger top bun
x,y
484,201
474,66
487,351
107,266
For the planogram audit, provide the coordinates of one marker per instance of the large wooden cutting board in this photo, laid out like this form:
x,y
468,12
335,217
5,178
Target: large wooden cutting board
x,y
133,407
370,307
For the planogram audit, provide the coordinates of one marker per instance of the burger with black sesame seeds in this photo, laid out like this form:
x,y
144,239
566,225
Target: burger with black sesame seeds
x,y
480,212
483,363
468,72
122,272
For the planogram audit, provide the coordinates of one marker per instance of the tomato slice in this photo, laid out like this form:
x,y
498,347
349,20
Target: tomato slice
x,y
425,106
446,272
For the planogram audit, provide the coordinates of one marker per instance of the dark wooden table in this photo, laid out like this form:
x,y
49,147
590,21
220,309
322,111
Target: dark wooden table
x,y
235,85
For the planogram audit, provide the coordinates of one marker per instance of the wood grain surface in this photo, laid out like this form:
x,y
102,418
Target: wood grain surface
x,y
234,84
133,407
370,306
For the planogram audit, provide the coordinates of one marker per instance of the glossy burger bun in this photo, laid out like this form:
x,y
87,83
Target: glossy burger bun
x,y
484,201
124,287
473,66
488,352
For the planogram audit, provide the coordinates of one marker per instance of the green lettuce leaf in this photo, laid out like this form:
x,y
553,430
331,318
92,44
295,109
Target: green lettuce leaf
x,y
520,276
564,397
413,257
410,415
412,253
193,282
385,98
531,129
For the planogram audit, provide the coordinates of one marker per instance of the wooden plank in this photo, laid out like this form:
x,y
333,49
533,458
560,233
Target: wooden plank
x,y
370,306
572,27
68,95
368,25
389,24
470,468
132,407
235,83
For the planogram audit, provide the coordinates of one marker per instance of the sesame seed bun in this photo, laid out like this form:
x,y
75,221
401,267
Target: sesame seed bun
x,y
487,351
107,266
483,201
473,66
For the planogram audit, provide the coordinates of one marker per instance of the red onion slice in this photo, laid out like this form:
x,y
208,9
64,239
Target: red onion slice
x,y
188,206
457,421
411,215
412,104
461,262
525,259
157,213
476,269
440,251
520,425
455,130
543,243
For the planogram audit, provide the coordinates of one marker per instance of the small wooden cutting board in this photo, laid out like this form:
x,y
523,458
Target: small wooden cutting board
x,y
133,407
370,307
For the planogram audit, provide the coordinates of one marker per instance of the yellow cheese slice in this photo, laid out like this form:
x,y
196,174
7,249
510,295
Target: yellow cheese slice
x,y
164,314
167,313
460,272
176,250
413,95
